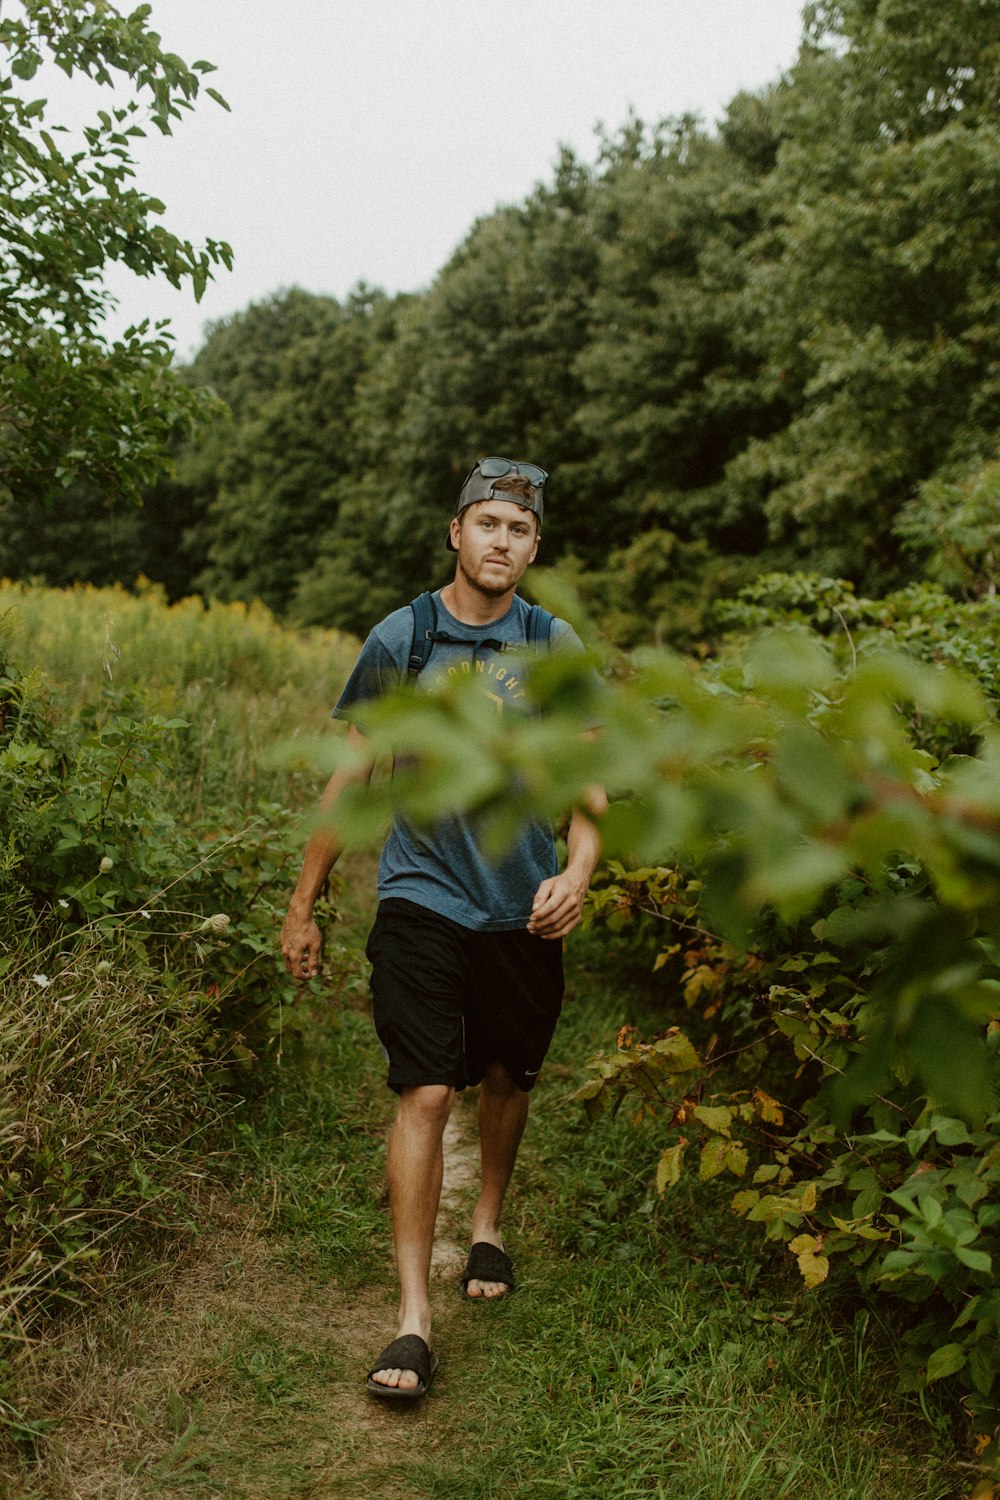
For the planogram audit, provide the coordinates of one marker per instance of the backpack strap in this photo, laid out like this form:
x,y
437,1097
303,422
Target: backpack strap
x,y
424,630
539,628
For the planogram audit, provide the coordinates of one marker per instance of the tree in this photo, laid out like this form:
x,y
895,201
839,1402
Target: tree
x,y
483,362
272,479
672,367
875,275
954,526
74,405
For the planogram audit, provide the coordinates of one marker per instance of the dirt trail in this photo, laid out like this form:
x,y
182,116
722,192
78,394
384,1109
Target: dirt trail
x,y
246,1379
461,1173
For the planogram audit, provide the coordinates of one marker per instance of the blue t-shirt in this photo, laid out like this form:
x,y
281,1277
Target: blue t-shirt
x,y
444,869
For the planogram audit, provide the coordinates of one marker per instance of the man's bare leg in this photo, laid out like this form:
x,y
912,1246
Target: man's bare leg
x,y
415,1168
503,1113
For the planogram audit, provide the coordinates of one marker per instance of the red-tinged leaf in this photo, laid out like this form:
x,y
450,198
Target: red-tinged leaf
x,y
770,1110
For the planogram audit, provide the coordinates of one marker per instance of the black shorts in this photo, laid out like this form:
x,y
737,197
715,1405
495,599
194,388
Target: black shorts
x,y
450,1001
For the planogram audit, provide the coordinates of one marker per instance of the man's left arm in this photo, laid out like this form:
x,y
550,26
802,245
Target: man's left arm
x,y
558,904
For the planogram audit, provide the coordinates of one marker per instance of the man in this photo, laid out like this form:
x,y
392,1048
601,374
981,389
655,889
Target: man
x,y
466,953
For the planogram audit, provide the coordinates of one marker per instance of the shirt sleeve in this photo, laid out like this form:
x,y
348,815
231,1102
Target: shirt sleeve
x,y
564,637
375,674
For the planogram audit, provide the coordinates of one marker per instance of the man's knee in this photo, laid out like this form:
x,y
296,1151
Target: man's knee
x,y
428,1104
497,1081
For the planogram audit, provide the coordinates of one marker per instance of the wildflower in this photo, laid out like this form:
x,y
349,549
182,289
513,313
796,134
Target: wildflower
x,y
107,863
63,903
219,924
42,980
144,914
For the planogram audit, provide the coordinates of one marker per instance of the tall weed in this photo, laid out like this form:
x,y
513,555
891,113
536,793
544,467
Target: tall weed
x,y
242,681
143,870
105,1101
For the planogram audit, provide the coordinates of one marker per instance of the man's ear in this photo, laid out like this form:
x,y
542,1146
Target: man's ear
x,y
456,530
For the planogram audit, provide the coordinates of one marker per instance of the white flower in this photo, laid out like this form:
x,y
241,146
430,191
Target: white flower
x,y
42,981
107,863
63,903
219,924
144,914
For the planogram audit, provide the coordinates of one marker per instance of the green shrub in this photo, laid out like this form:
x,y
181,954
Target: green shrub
x,y
138,930
904,1203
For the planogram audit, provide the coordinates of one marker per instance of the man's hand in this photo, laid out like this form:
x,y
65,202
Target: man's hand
x,y
301,946
301,943
558,906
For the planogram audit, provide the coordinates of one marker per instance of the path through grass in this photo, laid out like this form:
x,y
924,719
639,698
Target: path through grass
x,y
646,1353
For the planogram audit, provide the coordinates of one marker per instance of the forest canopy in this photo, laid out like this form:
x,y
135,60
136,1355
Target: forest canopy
x,y
769,346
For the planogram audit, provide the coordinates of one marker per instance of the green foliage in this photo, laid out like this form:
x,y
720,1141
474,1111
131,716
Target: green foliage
x,y
672,377
107,863
767,348
104,1094
771,347
238,679
955,527
142,878
921,618
72,405
872,281
836,934
289,456
905,1202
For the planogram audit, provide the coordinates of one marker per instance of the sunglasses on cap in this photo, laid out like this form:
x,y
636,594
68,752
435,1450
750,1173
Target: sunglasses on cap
x,y
496,468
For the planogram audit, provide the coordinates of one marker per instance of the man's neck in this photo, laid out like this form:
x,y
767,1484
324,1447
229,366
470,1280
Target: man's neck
x,y
471,605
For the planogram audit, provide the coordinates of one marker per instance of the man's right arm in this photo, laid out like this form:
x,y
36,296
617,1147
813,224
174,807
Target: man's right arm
x,y
301,942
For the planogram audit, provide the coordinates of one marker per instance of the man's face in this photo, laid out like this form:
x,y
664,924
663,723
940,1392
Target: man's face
x,y
495,540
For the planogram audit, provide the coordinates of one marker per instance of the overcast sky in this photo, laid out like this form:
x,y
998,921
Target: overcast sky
x,y
366,136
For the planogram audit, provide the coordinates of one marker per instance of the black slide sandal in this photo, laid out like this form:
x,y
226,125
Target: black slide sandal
x,y
409,1352
487,1263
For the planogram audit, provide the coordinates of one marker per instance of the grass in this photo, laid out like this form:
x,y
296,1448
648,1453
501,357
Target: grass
x,y
653,1348
647,1352
112,1096
242,681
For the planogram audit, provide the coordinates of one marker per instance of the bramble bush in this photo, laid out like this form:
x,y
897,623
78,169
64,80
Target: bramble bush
x,y
95,843
923,619
812,833
902,1199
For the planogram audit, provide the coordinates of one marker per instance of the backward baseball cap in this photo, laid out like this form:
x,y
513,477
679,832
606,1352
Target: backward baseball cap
x,y
482,486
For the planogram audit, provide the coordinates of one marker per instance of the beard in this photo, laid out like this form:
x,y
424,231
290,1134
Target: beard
x,y
490,584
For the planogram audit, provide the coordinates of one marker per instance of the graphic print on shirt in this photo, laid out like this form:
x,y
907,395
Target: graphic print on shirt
x,y
501,683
